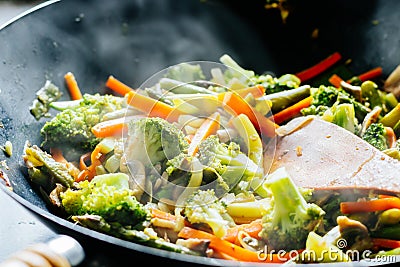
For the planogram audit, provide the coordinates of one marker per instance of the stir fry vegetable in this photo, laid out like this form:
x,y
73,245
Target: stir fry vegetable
x,y
184,165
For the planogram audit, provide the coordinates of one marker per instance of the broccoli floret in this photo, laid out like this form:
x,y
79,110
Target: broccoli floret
x,y
153,141
228,160
292,218
203,207
72,127
376,136
106,195
325,96
275,84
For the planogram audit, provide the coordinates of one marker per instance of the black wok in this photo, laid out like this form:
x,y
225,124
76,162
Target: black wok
x,y
134,39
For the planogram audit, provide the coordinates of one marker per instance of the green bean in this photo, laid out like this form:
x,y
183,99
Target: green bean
x,y
391,232
283,99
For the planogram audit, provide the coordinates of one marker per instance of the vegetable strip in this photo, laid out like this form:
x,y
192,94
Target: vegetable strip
x,y
235,104
209,127
253,229
117,86
73,87
335,80
152,107
320,67
370,205
229,248
371,74
57,155
292,111
256,91
386,243
113,127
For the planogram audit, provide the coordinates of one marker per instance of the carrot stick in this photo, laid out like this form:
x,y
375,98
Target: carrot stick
x,y
156,213
234,104
117,86
371,74
318,68
209,127
57,155
292,111
224,256
113,127
152,107
229,248
89,172
335,80
370,205
73,87
390,136
386,243
256,91
253,229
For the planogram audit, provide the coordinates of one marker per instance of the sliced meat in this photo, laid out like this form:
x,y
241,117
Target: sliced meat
x,y
318,154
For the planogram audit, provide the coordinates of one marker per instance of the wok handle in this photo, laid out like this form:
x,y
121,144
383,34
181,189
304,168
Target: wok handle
x,y
61,251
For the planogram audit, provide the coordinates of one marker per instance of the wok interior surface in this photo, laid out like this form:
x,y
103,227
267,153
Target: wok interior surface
x,y
132,40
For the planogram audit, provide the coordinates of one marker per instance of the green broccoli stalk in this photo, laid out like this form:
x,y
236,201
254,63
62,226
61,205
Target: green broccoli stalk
x,y
44,171
106,195
292,218
376,135
228,160
203,207
146,237
71,128
153,141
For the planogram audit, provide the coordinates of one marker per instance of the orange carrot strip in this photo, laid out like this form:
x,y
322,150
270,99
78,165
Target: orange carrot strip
x,y
117,86
152,107
224,256
292,111
73,87
156,213
235,105
57,155
371,74
385,196
256,91
229,248
89,172
370,205
335,80
209,127
114,127
319,68
386,243
253,229
390,136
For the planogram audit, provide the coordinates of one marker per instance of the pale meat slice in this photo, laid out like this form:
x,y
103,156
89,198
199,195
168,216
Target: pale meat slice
x,y
322,155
